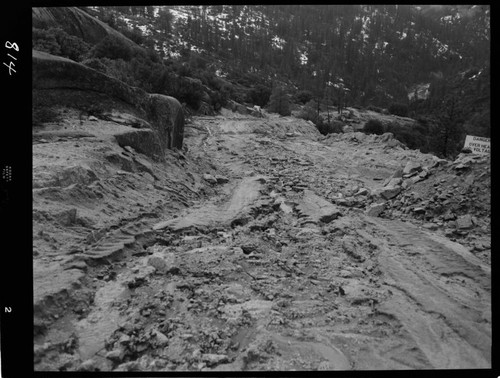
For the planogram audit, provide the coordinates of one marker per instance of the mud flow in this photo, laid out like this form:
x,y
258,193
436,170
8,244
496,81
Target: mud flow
x,y
262,245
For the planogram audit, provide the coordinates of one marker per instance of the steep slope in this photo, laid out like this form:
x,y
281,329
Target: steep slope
x,y
75,22
373,48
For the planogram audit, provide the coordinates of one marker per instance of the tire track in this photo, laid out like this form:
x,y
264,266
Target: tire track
x,y
450,322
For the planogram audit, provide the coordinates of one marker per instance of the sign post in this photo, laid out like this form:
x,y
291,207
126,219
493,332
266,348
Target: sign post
x,y
477,145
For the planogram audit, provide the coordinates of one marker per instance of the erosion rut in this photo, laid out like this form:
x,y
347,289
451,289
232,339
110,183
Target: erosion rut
x,y
245,192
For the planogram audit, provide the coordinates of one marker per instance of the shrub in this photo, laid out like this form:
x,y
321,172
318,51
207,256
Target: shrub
x,y
186,90
42,40
184,70
57,42
43,114
374,108
410,136
373,126
304,96
309,112
399,109
134,34
96,64
326,128
279,102
260,95
112,47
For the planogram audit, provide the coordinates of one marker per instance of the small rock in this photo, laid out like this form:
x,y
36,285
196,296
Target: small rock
x,y
478,246
464,222
221,179
128,366
460,166
196,355
419,210
448,232
423,174
285,208
414,180
67,217
375,209
214,359
449,216
412,167
93,118
393,182
143,165
248,248
88,365
158,263
209,178
398,173
351,248
77,265
116,355
324,365
362,192
161,338
430,226
130,149
329,215
390,191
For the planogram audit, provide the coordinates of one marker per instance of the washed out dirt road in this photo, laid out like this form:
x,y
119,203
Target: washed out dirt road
x,y
273,269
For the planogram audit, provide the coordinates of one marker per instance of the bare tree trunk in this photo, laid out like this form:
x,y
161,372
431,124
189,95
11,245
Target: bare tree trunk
x,y
327,110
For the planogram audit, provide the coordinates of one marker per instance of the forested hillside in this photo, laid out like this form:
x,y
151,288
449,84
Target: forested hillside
x,y
376,56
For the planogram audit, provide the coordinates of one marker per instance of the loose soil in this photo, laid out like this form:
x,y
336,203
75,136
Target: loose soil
x,y
251,249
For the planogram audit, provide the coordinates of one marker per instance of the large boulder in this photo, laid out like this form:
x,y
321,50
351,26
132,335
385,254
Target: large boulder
x,y
63,82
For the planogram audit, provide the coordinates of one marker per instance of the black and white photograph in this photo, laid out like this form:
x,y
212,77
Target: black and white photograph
x,y
258,188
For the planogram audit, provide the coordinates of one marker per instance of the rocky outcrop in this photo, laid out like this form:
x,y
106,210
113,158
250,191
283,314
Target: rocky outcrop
x,y
76,22
63,82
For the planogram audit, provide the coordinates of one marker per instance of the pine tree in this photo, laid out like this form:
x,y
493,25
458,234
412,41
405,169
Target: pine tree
x,y
164,20
279,101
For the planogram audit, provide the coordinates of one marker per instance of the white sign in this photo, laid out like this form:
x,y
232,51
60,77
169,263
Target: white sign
x,y
477,145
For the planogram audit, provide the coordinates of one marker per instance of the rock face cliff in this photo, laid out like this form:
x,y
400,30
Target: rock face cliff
x,y
75,22
61,81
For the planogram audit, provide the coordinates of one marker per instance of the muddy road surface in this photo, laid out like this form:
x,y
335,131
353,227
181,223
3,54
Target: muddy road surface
x,y
270,260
